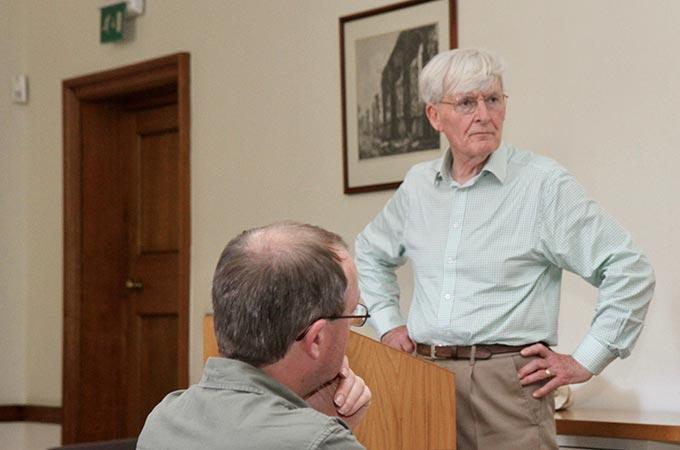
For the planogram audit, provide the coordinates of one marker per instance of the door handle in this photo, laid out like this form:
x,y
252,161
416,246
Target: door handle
x,y
132,285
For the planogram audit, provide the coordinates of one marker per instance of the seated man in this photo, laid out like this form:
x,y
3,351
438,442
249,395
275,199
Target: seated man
x,y
282,295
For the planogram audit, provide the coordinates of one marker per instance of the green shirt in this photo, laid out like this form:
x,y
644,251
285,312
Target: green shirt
x,y
238,407
487,258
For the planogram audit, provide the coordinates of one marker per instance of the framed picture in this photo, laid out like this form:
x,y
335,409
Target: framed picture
x,y
385,130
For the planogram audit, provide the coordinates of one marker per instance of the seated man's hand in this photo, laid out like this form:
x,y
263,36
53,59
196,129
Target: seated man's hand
x,y
346,396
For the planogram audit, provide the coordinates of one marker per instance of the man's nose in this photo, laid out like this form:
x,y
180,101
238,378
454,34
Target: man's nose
x,y
481,112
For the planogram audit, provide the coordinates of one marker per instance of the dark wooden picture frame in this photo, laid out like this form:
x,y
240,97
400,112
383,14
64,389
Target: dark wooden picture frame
x,y
384,128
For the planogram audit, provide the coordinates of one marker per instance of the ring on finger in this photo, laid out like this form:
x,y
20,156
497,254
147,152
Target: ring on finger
x,y
548,373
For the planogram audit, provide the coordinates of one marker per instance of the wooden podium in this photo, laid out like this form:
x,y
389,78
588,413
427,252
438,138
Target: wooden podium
x,y
413,406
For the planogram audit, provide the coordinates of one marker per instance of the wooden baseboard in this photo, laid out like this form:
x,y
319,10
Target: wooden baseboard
x,y
30,413
646,426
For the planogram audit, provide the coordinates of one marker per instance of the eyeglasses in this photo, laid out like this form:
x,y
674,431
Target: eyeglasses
x,y
359,318
468,104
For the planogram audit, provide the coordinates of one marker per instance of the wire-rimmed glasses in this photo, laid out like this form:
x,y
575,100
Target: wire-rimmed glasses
x,y
359,318
468,104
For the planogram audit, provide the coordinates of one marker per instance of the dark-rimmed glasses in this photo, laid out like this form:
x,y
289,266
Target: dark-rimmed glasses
x,y
359,318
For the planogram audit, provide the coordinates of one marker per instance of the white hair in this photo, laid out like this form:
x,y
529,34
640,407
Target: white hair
x,y
460,70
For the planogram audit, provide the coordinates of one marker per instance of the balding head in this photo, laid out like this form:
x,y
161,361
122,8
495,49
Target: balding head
x,y
270,283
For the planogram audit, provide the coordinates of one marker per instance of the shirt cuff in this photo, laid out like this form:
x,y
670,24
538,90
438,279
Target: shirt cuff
x,y
592,355
385,320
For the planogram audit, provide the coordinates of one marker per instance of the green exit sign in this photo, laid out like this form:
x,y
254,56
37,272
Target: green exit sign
x,y
112,19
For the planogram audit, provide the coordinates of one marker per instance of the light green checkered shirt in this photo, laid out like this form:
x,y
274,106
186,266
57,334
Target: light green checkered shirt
x,y
488,256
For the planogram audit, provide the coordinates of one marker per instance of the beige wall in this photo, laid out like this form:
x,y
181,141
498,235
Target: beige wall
x,y
592,84
13,182
13,236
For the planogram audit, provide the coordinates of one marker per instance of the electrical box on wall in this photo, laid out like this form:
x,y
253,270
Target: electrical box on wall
x,y
20,89
134,8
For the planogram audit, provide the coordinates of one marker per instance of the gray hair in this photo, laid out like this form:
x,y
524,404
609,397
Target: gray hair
x,y
272,282
460,70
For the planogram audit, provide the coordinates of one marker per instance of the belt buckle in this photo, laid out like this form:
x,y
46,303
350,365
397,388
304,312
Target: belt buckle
x,y
433,352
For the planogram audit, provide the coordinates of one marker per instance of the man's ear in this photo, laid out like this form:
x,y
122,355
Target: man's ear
x,y
311,343
433,116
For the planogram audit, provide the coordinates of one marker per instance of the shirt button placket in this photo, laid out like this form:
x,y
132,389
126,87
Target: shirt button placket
x,y
453,241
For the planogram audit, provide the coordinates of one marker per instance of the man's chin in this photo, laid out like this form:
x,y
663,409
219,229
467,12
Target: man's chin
x,y
486,146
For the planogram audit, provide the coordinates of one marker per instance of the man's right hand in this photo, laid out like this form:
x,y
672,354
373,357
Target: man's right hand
x,y
346,396
398,338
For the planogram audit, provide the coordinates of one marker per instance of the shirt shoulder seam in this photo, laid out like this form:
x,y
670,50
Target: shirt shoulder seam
x,y
326,432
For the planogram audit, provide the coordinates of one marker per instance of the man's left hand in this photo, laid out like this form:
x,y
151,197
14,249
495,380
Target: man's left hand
x,y
557,368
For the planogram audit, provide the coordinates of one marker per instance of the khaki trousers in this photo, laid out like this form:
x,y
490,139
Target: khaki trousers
x,y
493,411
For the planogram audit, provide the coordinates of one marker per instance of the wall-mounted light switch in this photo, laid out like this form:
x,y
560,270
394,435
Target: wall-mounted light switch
x,y
19,89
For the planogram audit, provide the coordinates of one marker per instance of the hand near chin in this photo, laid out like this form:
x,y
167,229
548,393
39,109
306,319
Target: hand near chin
x,y
345,396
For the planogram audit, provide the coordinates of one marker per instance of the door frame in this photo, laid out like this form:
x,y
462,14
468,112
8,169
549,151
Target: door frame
x,y
169,72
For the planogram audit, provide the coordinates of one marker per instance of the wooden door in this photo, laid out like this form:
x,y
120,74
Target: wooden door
x,y
101,350
126,246
152,280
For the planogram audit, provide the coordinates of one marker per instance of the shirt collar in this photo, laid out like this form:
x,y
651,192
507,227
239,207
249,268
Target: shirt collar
x,y
497,164
233,374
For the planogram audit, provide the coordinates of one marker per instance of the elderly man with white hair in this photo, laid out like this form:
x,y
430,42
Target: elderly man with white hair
x,y
488,229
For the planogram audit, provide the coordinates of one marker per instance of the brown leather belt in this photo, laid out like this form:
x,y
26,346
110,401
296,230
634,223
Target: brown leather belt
x,y
470,352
